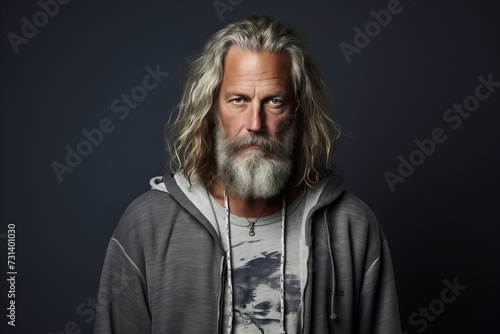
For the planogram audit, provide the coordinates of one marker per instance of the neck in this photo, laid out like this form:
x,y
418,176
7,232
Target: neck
x,y
252,208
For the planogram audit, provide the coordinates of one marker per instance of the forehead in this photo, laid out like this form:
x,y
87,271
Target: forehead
x,y
242,67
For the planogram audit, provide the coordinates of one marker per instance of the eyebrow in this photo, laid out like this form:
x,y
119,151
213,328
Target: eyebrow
x,y
229,94
280,93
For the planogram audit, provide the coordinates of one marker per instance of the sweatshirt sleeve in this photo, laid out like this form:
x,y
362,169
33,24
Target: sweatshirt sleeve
x,y
122,305
378,306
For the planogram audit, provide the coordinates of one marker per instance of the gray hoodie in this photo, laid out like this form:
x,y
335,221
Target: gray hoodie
x,y
164,270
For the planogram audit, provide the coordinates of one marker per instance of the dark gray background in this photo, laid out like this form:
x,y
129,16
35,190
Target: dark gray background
x,y
441,223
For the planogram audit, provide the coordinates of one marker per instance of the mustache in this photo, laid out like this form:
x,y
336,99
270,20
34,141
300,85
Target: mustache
x,y
267,145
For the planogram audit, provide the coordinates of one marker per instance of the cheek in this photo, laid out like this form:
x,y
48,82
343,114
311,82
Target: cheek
x,y
230,125
283,124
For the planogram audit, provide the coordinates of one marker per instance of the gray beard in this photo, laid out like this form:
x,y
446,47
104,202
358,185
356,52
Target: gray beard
x,y
254,174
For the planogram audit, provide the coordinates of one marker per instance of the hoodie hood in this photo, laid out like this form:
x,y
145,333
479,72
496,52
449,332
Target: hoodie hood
x,y
324,193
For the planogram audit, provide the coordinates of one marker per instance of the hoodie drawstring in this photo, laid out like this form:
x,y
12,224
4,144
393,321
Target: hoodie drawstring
x,y
333,315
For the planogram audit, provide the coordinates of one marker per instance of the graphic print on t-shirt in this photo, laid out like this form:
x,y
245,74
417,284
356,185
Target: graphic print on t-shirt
x,y
256,284
255,271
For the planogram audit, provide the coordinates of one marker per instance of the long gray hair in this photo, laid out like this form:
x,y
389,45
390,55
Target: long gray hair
x,y
191,139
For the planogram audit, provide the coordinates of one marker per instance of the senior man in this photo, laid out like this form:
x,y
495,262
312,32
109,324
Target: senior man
x,y
251,231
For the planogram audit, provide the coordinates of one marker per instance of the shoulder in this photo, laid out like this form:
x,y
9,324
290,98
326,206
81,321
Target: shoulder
x,y
331,195
341,209
350,219
148,202
148,205
145,215
352,208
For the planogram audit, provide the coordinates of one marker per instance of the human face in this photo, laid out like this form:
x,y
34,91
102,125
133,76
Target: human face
x,y
254,131
255,94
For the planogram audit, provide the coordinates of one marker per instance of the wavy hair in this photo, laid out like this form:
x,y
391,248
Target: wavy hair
x,y
191,140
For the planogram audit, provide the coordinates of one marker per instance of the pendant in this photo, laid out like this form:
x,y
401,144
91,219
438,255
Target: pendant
x,y
251,225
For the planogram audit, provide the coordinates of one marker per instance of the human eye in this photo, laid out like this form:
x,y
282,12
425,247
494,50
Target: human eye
x,y
237,100
275,102
275,106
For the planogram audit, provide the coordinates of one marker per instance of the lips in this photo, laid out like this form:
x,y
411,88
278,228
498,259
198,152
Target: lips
x,y
254,143
254,147
249,148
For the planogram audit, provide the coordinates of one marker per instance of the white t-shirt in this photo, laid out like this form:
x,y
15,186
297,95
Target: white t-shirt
x,y
256,270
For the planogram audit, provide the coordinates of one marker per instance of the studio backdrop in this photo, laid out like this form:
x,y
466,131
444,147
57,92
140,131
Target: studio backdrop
x,y
87,87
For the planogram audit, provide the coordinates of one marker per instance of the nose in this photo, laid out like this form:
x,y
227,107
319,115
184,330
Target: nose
x,y
255,118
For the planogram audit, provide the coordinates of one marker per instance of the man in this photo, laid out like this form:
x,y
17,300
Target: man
x,y
253,233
